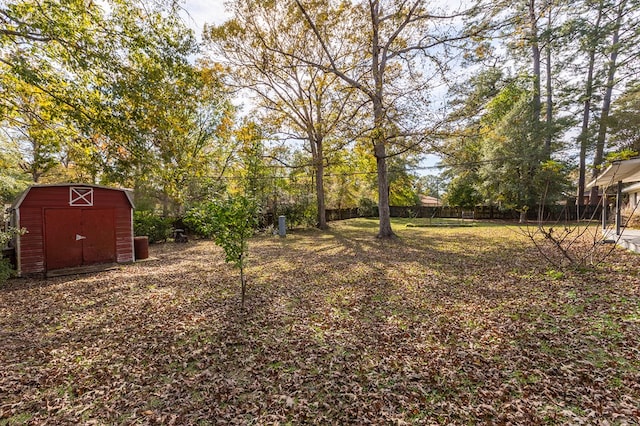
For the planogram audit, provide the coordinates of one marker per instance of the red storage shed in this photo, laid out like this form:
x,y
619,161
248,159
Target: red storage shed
x,y
72,225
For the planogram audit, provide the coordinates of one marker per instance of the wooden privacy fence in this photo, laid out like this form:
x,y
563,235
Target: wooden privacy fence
x,y
550,213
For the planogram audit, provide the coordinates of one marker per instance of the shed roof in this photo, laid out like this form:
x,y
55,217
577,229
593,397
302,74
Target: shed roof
x,y
127,192
624,171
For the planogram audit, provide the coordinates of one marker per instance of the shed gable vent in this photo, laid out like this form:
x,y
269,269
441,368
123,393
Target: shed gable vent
x,y
80,196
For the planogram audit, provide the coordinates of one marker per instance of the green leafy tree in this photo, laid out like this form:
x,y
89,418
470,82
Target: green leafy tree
x,y
622,50
13,179
602,36
515,168
463,192
351,177
510,150
389,52
230,222
624,122
296,102
168,121
463,150
253,170
591,28
34,126
431,184
495,154
107,92
56,60
259,169
403,181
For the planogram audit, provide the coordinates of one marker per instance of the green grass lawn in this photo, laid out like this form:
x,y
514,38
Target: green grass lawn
x,y
443,325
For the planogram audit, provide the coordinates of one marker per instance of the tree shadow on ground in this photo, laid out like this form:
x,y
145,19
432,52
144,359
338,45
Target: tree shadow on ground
x,y
448,327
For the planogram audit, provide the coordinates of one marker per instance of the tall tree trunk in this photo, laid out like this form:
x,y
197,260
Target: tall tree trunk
x,y
384,211
165,204
379,138
319,168
606,103
549,83
535,56
583,138
316,138
380,151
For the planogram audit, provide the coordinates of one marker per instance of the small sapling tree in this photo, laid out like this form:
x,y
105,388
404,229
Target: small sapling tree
x,y
562,243
230,222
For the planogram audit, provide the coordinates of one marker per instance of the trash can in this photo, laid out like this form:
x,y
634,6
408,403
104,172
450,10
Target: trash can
x,y
141,247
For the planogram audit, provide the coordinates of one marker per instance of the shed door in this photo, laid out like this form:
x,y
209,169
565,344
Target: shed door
x,y
76,237
62,249
99,246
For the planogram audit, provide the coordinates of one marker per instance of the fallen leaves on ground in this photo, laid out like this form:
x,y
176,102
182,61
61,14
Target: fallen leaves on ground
x,y
441,326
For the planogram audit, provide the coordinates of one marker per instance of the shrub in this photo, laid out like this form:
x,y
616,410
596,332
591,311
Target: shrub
x,y
299,214
200,219
6,270
367,208
154,226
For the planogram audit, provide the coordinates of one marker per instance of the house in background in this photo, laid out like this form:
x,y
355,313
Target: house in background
x,y
429,201
612,181
72,225
634,198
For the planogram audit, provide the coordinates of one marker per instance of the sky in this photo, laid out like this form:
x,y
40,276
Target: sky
x,y
204,11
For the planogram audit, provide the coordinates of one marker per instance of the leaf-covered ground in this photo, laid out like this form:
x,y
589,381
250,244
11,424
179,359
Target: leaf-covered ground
x,y
441,326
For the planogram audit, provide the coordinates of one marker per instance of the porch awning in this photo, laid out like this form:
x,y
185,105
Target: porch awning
x,y
624,171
